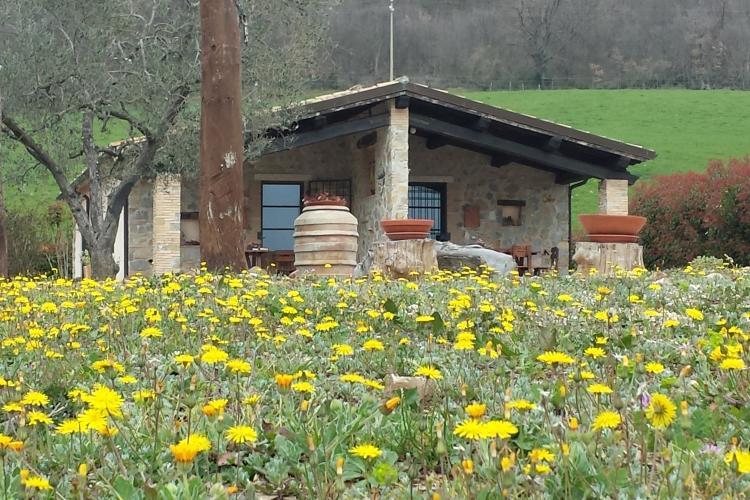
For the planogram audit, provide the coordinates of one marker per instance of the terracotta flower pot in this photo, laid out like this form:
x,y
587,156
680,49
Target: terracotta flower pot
x,y
612,228
407,229
325,203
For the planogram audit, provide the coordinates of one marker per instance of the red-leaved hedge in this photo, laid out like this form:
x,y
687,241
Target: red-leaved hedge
x,y
693,214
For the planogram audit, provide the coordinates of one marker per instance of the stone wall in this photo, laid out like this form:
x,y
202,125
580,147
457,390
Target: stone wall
x,y
471,181
140,228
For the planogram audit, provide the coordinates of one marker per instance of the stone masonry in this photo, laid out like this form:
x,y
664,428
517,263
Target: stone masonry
x,y
166,256
471,181
379,174
613,197
140,228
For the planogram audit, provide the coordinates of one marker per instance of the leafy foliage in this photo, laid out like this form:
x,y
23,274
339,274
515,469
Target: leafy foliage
x,y
694,214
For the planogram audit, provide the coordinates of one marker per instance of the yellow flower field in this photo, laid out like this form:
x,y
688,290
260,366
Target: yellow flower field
x,y
223,386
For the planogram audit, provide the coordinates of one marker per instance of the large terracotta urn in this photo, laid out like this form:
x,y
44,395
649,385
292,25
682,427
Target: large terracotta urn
x,y
325,240
406,229
604,228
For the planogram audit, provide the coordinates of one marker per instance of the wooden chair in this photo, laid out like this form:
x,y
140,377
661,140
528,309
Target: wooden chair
x,y
522,255
281,262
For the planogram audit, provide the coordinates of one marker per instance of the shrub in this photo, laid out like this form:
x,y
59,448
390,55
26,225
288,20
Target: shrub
x,y
39,241
692,214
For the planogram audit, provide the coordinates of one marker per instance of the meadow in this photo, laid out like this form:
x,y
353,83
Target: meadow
x,y
216,386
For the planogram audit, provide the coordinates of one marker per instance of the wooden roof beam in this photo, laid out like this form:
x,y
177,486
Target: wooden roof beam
x,y
557,161
326,133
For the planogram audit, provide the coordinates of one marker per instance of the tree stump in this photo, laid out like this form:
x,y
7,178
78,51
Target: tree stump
x,y
607,258
399,258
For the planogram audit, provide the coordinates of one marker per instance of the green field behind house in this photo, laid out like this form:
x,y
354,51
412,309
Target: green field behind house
x,y
686,128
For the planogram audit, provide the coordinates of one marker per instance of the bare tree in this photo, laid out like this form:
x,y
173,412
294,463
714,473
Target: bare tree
x,y
537,23
80,65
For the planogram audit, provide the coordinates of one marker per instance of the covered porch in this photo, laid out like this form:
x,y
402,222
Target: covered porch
x,y
483,174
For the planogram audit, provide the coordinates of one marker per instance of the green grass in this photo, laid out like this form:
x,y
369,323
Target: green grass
x,y
686,128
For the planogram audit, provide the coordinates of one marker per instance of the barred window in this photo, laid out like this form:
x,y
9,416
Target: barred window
x,y
427,200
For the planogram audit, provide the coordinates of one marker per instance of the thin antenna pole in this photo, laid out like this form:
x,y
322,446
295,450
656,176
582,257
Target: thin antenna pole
x,y
392,9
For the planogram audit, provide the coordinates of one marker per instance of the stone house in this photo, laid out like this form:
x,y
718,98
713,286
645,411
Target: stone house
x,y
394,150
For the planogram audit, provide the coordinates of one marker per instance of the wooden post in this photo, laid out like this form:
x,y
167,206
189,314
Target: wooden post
x,y
222,145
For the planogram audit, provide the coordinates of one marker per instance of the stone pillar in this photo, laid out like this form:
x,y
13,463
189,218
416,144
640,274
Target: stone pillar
x,y
166,255
120,253
77,253
392,165
382,185
613,196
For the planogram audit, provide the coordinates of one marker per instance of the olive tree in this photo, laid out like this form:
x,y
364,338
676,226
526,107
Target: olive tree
x,y
75,67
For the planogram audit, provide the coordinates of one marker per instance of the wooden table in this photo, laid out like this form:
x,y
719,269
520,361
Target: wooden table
x,y
255,257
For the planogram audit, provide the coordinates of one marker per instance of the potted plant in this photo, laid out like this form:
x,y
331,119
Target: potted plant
x,y
406,229
605,228
324,199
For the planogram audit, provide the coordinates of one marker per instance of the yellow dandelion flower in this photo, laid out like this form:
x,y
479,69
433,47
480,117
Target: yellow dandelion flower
x,y
38,417
661,411
373,345
520,404
555,357
306,387
594,352
366,450
655,368
470,429
732,364
428,371
599,389
607,420
239,366
36,483
499,428
240,434
183,452
476,410
35,398
695,314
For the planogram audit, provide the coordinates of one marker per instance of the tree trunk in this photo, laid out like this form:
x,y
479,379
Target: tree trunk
x,y
3,233
222,146
103,264
399,259
3,217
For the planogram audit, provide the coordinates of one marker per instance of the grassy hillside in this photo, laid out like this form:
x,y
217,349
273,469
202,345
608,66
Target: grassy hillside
x,y
686,128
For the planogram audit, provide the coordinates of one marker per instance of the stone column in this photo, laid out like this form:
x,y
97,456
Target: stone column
x,y
392,166
120,253
77,253
613,197
166,255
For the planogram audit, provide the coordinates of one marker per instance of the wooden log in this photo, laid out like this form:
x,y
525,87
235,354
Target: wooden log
x,y
399,258
607,258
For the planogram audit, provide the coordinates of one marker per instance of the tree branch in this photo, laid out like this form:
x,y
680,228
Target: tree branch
x,y
71,197
133,121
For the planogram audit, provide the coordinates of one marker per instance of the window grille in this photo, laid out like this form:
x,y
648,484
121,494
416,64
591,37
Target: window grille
x,y
428,201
